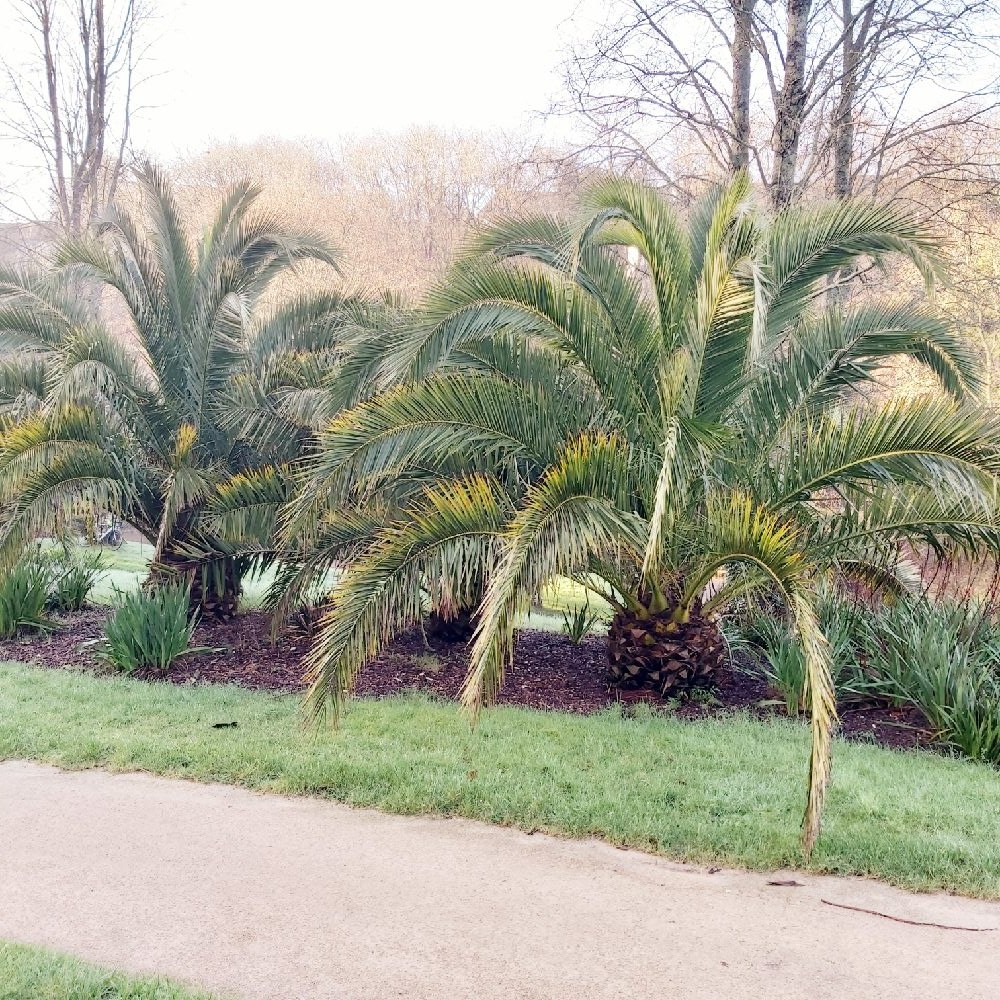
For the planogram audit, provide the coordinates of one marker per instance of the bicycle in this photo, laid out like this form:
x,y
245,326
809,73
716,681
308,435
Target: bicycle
x,y
112,535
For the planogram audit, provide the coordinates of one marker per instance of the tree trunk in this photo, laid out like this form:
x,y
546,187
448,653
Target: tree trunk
x,y
739,152
791,104
458,628
216,583
855,39
653,649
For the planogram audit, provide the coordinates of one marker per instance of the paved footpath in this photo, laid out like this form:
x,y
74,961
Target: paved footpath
x,y
269,897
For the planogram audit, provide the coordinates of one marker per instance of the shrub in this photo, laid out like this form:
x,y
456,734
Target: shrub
x,y
783,662
24,596
149,628
72,578
943,659
960,695
578,623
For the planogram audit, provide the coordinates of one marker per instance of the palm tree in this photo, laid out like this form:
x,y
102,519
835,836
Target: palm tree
x,y
645,407
305,365
139,418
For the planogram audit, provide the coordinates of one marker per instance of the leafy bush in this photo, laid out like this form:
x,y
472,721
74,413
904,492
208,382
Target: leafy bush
x,y
944,659
71,579
24,596
783,661
578,623
149,628
960,695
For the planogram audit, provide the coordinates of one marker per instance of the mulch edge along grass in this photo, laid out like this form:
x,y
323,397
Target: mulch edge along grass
x,y
31,973
726,790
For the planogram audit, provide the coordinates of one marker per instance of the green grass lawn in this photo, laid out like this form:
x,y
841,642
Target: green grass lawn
x,y
728,791
37,974
125,568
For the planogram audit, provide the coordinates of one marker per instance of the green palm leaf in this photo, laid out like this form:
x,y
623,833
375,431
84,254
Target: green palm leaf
x,y
574,515
447,538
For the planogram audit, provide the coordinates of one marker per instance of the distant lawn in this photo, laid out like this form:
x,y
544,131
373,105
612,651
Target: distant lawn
x,y
37,974
126,567
726,791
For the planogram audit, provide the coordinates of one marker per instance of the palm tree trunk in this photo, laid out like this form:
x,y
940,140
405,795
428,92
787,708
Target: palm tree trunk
x,y
459,623
216,583
664,650
458,628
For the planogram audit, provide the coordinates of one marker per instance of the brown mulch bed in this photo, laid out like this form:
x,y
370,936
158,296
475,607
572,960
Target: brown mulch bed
x,y
549,672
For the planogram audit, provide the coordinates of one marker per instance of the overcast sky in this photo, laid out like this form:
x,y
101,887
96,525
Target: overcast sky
x,y
244,68
241,69
321,69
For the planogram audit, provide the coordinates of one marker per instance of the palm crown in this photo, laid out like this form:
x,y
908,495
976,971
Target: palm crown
x,y
142,420
639,404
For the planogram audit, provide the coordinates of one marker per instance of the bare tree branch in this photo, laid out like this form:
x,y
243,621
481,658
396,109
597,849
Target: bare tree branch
x,y
837,96
73,100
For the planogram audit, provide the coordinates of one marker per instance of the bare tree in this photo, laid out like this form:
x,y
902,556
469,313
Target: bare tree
x,y
835,96
72,100
790,109
665,88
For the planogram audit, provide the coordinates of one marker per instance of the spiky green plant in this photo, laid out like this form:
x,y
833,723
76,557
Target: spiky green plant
x,y
141,419
148,628
578,623
638,404
24,596
73,576
944,658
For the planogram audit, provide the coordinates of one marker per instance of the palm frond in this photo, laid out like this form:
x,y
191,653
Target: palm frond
x,y
79,477
578,511
307,561
911,441
451,536
305,323
38,310
170,248
838,353
739,530
957,522
244,508
483,421
806,247
821,700
616,291
622,212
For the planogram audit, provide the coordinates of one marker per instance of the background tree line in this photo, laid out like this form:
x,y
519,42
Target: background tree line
x,y
897,99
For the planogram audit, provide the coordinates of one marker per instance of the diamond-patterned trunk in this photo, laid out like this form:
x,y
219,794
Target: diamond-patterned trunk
x,y
216,585
458,628
648,649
